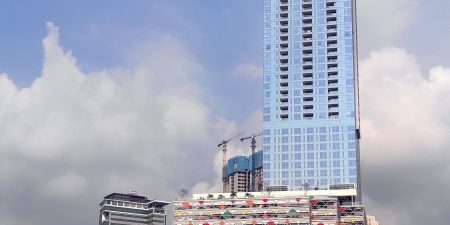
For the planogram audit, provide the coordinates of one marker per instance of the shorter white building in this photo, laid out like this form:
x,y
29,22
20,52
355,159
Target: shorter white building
x,y
313,207
132,209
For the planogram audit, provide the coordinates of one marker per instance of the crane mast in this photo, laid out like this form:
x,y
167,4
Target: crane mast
x,y
253,146
224,145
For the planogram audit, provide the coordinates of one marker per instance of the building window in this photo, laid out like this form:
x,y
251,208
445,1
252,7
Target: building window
x,y
352,154
336,163
351,145
336,146
335,137
351,137
322,129
336,155
336,172
335,128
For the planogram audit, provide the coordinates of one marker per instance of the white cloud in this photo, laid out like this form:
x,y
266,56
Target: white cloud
x,y
405,130
79,136
253,124
65,186
248,70
382,22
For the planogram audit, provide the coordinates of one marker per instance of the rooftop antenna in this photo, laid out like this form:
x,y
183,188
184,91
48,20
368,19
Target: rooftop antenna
x,y
132,192
253,146
305,187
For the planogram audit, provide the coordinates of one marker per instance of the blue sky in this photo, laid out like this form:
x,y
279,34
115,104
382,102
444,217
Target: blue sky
x,y
102,34
113,94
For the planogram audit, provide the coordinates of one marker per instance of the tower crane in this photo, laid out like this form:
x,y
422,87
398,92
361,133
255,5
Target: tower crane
x,y
224,145
253,146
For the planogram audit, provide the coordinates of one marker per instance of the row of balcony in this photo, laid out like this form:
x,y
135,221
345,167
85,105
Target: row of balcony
x,y
307,5
331,91
308,59
285,116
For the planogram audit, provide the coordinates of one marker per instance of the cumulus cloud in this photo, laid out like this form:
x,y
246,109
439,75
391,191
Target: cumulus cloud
x,y
382,22
406,130
253,124
248,70
73,137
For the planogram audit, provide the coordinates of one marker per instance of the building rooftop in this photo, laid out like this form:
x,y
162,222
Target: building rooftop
x,y
280,194
127,197
132,197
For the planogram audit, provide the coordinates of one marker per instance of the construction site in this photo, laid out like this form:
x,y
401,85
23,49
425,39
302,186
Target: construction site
x,y
242,173
313,207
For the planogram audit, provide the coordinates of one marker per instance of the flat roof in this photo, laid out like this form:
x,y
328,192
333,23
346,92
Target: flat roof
x,y
281,194
127,197
159,203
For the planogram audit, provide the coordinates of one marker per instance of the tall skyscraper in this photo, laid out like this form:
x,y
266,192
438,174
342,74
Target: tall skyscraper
x,y
131,209
311,111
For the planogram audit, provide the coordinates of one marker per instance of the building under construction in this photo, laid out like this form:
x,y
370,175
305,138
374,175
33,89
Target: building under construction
x,y
238,173
312,207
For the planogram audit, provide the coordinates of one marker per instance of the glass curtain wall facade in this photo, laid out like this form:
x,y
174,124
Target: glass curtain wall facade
x,y
310,89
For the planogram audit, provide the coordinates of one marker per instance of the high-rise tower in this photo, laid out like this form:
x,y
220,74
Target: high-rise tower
x,y
311,111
